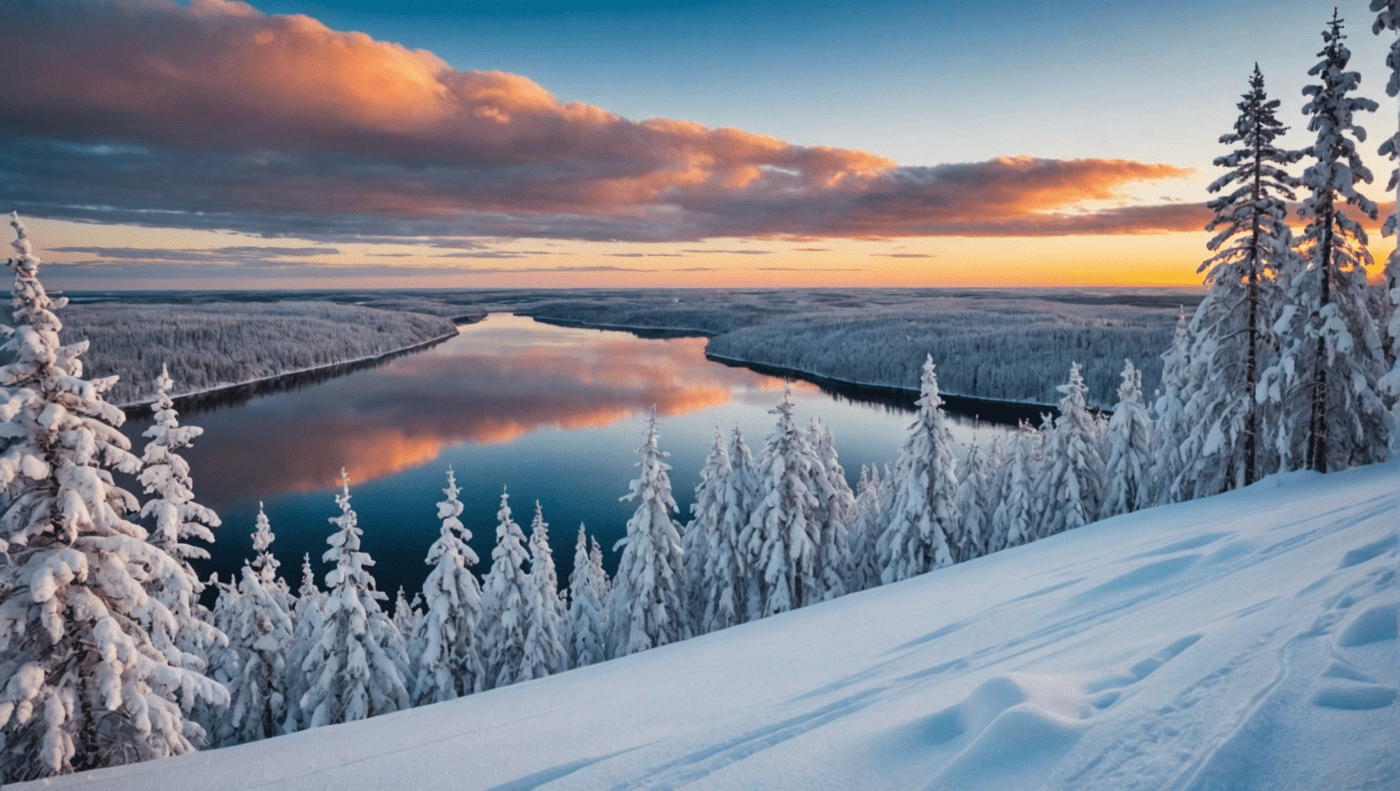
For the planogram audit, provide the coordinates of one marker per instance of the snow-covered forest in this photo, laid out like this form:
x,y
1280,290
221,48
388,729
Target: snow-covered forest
x,y
216,344
1288,363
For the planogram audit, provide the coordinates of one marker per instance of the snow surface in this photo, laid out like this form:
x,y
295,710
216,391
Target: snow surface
x,y
1245,641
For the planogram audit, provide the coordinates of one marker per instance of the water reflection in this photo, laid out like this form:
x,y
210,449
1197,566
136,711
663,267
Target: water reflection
x,y
498,381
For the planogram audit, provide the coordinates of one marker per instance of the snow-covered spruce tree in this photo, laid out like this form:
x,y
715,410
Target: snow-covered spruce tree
x,y
176,519
1015,517
647,608
836,512
1331,342
508,599
724,578
587,626
1388,18
865,565
82,682
446,641
1126,484
1070,487
595,556
1230,331
702,531
545,644
783,535
358,667
925,484
405,618
259,628
308,616
1174,423
969,538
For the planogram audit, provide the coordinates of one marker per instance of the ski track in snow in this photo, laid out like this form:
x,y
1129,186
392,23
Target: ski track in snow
x,y
1247,641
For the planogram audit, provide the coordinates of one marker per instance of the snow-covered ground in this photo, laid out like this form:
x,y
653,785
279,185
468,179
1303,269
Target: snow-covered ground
x,y
1245,641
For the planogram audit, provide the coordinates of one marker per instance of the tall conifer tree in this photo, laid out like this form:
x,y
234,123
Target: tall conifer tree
x,y
1332,340
1232,341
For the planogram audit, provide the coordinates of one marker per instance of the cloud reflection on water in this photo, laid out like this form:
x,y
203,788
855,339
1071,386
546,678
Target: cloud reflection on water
x,y
499,381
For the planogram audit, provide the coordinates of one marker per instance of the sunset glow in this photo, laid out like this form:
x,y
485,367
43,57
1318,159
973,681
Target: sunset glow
x,y
222,145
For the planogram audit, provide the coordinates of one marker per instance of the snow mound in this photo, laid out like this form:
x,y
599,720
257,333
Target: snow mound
x,y
1246,641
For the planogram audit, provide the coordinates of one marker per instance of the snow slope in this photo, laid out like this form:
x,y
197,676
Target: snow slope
x,y
1245,641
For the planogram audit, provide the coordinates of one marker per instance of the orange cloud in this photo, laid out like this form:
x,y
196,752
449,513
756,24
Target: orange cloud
x,y
216,115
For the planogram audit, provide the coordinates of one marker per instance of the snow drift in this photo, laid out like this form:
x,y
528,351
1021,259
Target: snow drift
x,y
1244,641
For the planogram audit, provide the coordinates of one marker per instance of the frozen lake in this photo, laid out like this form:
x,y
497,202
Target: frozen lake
x,y
553,413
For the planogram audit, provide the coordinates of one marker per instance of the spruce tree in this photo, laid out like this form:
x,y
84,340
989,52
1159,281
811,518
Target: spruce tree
x,y
1126,484
308,616
648,595
587,625
446,640
836,512
1232,341
508,597
175,519
724,578
969,539
259,629
1388,18
544,641
357,667
865,560
1014,520
783,535
83,684
925,484
1174,423
1332,340
1071,482
706,512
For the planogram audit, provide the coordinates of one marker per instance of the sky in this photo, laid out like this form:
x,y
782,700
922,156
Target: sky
x,y
287,144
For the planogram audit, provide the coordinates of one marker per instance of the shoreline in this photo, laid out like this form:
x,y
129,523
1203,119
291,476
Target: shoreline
x,y
997,410
220,394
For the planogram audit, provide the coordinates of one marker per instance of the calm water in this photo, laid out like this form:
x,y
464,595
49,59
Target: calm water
x,y
555,414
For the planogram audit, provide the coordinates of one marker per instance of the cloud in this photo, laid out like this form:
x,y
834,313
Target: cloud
x,y
903,255
214,115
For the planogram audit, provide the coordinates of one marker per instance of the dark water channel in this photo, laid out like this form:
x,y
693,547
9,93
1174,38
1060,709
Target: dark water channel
x,y
553,413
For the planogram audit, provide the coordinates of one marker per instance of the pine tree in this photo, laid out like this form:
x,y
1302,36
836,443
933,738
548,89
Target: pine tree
x,y
82,682
587,630
1232,341
783,535
836,512
176,518
702,531
259,628
508,597
544,641
1126,484
647,608
595,557
1071,482
1332,342
925,483
724,578
358,667
446,640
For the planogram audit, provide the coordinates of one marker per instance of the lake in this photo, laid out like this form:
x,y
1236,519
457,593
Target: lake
x,y
552,413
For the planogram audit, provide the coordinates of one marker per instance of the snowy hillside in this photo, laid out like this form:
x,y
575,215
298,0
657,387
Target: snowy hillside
x,y
1244,641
